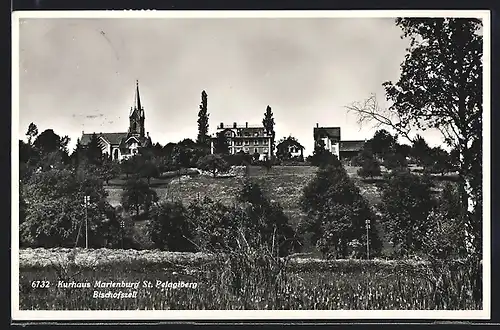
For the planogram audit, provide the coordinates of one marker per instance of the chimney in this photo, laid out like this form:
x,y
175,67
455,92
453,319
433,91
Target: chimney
x,y
317,125
221,125
83,132
147,133
234,125
246,124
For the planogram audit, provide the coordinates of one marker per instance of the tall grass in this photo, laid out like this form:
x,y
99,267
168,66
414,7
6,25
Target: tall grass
x,y
258,280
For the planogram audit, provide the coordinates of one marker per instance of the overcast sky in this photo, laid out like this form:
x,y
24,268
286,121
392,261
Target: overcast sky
x,y
79,74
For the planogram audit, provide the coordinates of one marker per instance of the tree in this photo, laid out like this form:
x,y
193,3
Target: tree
x,y
383,143
441,87
395,161
32,133
48,141
370,167
406,207
421,152
52,203
221,144
137,194
215,228
109,169
203,138
441,161
336,213
170,229
147,166
322,157
268,123
214,163
446,237
266,224
93,151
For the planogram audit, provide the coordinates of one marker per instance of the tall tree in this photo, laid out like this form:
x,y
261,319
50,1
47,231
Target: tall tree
x,y
203,138
268,123
32,133
221,144
441,87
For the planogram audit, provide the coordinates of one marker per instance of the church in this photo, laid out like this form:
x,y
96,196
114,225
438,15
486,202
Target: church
x,y
121,146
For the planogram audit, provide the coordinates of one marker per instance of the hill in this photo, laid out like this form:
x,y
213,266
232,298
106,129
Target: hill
x,y
283,184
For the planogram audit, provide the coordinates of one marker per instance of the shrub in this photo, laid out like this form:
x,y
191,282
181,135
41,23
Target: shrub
x,y
336,213
214,163
137,194
170,229
406,207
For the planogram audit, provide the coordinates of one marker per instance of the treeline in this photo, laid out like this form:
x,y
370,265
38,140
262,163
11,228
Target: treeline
x,y
383,149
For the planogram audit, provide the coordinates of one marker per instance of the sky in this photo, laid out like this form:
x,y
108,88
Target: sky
x,y
79,74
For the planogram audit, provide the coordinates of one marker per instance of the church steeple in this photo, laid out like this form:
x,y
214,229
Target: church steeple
x,y
137,96
137,115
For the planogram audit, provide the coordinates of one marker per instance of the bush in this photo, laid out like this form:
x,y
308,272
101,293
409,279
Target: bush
x,y
214,163
337,213
54,214
215,228
266,223
170,229
136,195
406,207
370,167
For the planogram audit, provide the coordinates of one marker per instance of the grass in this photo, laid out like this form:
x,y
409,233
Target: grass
x,y
242,281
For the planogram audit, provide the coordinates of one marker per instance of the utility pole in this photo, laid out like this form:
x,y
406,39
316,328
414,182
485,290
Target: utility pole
x,y
86,200
122,228
367,239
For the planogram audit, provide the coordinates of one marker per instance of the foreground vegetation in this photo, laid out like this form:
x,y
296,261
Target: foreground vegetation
x,y
246,280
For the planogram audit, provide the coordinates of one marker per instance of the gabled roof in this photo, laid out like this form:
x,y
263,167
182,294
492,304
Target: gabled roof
x,y
352,145
111,138
331,132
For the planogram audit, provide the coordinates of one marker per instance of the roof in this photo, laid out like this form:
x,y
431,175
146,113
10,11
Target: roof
x,y
289,142
353,145
331,132
112,138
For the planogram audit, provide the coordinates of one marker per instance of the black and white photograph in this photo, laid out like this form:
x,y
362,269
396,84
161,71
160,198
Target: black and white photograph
x,y
251,165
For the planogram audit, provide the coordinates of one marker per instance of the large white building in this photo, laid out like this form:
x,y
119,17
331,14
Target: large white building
x,y
245,139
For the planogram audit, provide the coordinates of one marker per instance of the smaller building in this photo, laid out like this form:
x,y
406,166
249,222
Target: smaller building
x,y
289,148
349,149
329,136
245,138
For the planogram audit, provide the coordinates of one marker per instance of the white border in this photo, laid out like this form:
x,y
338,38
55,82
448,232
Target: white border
x,y
18,315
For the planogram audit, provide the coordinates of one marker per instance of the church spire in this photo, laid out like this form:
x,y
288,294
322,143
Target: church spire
x,y
137,96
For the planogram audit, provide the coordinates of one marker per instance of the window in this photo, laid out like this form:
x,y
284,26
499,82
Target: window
x,y
247,142
255,150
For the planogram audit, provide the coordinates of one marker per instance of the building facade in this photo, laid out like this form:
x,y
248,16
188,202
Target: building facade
x,y
245,139
123,145
349,149
330,137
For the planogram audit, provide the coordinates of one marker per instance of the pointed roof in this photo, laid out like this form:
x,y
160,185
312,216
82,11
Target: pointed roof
x,y
137,96
137,101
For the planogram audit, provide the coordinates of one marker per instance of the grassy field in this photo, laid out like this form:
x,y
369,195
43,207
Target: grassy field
x,y
283,184
239,281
